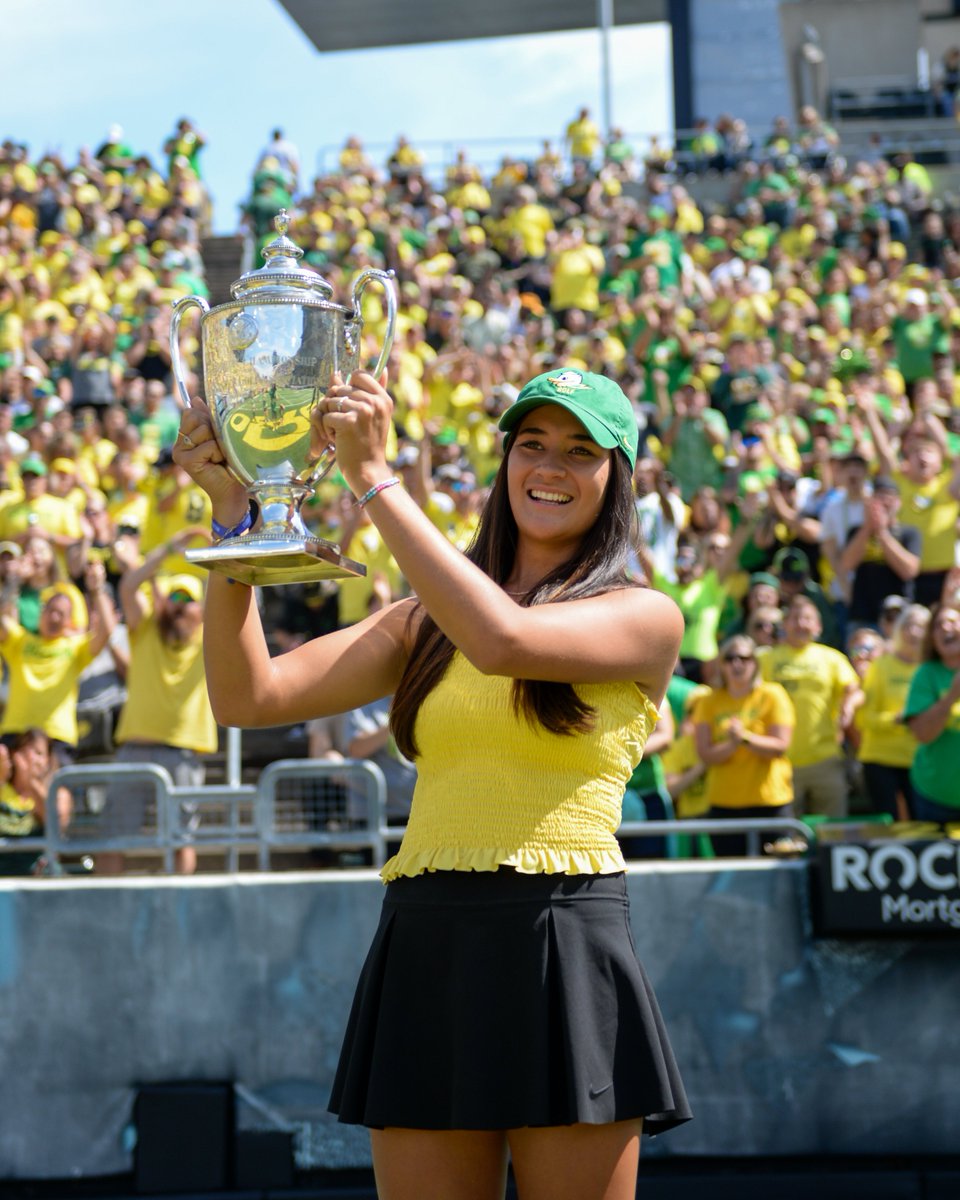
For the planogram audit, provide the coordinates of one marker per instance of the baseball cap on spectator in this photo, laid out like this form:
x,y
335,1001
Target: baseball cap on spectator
x,y
10,548
823,416
407,456
597,402
66,466
33,466
883,483
851,362
449,473
915,296
892,606
758,412
791,564
182,583
763,577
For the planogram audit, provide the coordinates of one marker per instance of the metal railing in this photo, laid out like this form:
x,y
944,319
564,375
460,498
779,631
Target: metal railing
x,y
921,133
297,804
315,805
751,827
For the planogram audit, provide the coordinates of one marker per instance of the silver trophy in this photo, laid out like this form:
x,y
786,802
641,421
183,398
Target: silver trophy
x,y
268,359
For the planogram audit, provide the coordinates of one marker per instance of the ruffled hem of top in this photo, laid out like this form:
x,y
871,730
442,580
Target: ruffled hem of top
x,y
531,860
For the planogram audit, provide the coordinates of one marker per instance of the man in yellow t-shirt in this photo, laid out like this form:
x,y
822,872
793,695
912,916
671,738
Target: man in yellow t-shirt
x,y
929,494
45,666
583,137
930,501
38,511
167,720
577,267
531,221
825,691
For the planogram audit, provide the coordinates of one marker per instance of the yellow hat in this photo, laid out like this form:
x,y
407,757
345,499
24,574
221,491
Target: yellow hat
x,y
78,606
182,583
66,466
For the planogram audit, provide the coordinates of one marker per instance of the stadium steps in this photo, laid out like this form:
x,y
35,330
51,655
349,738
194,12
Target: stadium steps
x,y
223,260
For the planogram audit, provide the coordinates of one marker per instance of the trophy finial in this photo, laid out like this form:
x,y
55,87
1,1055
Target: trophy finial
x,y
281,254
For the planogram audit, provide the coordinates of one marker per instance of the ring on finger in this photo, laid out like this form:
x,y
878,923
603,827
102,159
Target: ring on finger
x,y
339,404
187,441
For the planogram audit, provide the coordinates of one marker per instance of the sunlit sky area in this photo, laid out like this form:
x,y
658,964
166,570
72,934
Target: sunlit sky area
x,y
240,68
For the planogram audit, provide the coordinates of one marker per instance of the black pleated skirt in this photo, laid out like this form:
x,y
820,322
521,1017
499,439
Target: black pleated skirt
x,y
497,1000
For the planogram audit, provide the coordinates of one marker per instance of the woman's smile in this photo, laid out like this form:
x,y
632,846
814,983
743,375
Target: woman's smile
x,y
547,497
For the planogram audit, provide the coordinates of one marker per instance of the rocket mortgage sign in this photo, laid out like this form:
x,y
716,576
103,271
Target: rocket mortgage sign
x,y
899,888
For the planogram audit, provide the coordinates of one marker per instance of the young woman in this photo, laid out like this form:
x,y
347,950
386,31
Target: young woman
x,y
932,714
742,731
502,1007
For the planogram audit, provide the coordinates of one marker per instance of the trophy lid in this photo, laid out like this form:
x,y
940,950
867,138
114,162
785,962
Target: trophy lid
x,y
281,272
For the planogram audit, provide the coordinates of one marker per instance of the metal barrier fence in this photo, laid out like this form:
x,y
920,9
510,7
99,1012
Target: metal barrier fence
x,y
314,805
297,804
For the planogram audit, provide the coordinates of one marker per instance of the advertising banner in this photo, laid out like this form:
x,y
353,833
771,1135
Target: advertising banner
x,y
898,888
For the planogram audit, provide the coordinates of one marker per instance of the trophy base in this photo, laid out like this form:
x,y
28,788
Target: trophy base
x,y
267,562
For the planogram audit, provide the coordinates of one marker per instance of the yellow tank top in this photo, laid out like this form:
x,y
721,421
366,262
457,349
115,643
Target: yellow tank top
x,y
495,790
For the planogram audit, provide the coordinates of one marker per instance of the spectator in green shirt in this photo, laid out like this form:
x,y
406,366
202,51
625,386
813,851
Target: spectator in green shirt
x,y
918,334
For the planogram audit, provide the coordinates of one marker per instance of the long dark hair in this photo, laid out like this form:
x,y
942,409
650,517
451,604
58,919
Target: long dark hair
x,y
598,565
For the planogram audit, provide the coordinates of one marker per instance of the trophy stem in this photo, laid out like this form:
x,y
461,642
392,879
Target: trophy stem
x,y
280,508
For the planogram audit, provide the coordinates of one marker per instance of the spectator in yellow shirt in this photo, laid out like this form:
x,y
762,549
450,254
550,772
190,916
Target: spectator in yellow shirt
x,y
582,137
743,729
887,745
577,267
45,667
825,692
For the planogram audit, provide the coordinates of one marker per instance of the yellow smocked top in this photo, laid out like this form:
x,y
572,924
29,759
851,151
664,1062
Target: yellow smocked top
x,y
495,790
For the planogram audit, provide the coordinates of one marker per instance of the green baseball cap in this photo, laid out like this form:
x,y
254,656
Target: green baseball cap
x,y
33,466
598,403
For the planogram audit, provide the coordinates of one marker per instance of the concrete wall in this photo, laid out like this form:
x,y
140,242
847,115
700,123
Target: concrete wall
x,y
788,1045
859,38
737,61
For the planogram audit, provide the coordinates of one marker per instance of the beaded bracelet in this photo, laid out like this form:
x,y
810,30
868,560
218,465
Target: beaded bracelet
x,y
377,489
221,531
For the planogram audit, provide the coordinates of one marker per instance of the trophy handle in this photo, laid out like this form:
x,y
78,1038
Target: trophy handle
x,y
179,308
385,278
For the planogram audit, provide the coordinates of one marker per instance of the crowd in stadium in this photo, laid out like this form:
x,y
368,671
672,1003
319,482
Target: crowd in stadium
x,y
791,353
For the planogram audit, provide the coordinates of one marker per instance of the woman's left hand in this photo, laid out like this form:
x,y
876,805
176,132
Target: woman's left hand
x,y
356,417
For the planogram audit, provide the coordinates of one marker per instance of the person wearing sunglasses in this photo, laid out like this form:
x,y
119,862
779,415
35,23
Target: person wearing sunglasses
x,y
742,730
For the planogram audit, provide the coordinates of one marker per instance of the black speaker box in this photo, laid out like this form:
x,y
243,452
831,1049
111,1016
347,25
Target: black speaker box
x,y
263,1159
184,1137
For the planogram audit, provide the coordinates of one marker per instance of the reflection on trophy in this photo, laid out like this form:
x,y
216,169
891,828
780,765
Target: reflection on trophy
x,y
268,358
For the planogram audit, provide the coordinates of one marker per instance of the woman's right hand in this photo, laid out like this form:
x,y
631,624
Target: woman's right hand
x,y
198,452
